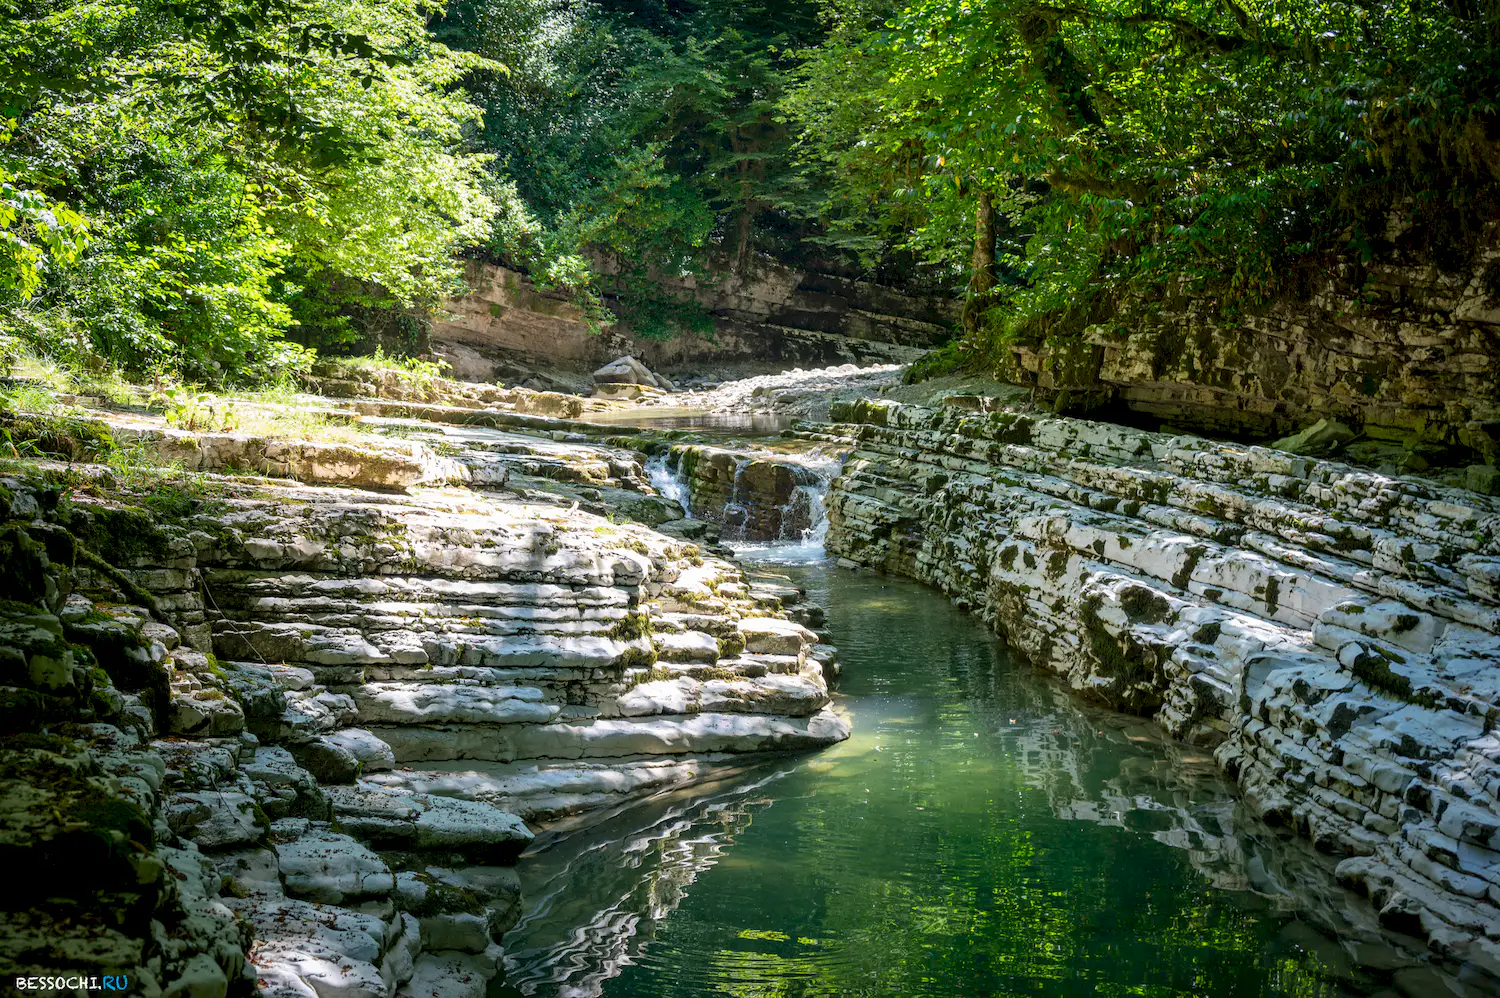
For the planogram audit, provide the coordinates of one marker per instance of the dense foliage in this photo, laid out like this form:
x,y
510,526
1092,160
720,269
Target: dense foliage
x,y
188,181
643,138
1128,146
184,184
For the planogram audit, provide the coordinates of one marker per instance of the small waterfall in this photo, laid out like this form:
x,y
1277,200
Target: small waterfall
x,y
663,478
796,525
804,506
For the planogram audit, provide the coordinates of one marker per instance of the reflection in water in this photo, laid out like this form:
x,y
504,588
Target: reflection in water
x,y
596,898
979,834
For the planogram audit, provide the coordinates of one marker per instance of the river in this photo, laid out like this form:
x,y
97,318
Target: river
x,y
982,833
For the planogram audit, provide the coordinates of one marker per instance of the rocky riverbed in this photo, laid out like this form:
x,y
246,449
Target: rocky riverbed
x,y
284,708
281,721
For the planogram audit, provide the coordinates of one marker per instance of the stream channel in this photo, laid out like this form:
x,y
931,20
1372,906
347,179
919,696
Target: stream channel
x,y
983,832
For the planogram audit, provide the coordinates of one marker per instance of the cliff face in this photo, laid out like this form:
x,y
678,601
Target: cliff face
x,y
1399,348
775,315
1335,634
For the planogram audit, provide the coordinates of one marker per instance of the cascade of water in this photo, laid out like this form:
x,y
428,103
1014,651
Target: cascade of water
x,y
663,478
804,506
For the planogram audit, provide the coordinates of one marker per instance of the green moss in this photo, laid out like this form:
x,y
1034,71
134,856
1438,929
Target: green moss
x,y
635,624
123,535
1373,667
103,812
28,710
1405,622
1184,573
949,358
1273,594
636,658
1112,659
67,437
442,899
731,645
1010,428
1144,605
1208,633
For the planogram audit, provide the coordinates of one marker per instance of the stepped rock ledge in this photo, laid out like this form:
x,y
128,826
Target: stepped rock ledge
x,y
290,739
1331,632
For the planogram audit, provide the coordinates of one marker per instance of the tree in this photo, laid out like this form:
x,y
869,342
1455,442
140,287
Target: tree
x,y
643,139
237,165
1132,146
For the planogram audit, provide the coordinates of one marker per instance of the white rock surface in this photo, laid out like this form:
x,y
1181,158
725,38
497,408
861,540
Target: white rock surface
x,y
331,868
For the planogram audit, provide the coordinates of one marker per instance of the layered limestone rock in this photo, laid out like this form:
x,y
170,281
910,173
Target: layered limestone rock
x,y
772,315
175,851
292,733
1332,632
1396,347
539,658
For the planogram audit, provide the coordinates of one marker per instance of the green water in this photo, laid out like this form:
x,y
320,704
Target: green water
x,y
980,834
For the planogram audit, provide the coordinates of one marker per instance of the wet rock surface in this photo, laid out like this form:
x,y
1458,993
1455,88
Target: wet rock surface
x,y
1331,633
288,737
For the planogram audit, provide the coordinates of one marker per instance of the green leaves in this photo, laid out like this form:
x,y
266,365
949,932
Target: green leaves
x,y
36,234
233,160
1140,147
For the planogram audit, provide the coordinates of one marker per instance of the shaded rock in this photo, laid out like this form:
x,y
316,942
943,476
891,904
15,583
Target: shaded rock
x,y
304,948
333,869
326,760
217,820
1483,478
1323,437
392,820
372,754
452,975
689,530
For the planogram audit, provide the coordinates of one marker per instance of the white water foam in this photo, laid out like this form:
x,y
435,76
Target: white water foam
x,y
663,479
807,546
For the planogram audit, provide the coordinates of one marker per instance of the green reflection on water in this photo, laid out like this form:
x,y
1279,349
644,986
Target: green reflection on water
x,y
980,834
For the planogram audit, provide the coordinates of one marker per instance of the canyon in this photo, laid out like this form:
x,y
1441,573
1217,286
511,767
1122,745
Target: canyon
x,y
347,713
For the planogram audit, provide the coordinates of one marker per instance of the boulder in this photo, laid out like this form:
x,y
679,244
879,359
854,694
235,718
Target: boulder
x,y
327,760
625,371
373,754
1323,437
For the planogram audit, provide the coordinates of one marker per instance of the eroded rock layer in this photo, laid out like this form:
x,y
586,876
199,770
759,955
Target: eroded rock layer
x,y
286,738
1332,631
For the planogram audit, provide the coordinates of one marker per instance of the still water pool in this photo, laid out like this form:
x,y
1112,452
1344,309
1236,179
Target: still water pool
x,y
980,834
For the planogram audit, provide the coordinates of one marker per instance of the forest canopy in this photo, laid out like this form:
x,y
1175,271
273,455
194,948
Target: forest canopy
x,y
209,189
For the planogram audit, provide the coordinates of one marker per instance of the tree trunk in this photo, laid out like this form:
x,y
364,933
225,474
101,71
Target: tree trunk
x,y
981,265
